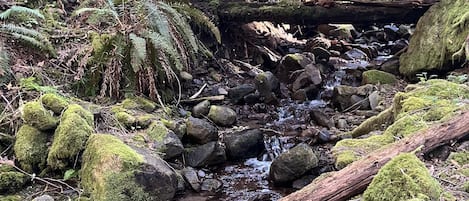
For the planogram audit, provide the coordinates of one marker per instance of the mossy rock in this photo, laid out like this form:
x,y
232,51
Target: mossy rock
x,y
70,137
427,103
35,115
54,102
137,102
163,140
378,77
113,171
404,177
126,119
145,120
439,34
31,148
10,198
466,187
12,181
462,158
83,113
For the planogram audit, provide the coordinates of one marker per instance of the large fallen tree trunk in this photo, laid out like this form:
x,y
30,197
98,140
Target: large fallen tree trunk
x,y
354,178
360,12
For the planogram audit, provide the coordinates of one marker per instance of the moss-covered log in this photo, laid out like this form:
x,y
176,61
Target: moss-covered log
x,y
354,178
297,13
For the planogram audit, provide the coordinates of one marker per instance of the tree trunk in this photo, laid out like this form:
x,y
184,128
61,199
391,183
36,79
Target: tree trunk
x,y
354,178
360,12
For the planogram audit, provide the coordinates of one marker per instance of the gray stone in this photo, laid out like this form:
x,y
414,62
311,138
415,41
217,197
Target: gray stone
x,y
345,96
201,131
374,99
164,140
208,154
321,53
293,164
212,185
291,63
44,198
244,144
201,109
266,85
313,73
222,115
303,181
190,175
342,124
355,54
391,66
186,76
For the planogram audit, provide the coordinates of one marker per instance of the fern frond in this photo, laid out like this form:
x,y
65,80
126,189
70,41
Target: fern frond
x,y
138,52
4,61
159,43
20,10
29,36
11,28
157,20
199,19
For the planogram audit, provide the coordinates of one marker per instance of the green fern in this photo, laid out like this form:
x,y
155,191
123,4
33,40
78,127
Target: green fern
x,y
4,61
199,19
28,36
138,52
16,11
159,42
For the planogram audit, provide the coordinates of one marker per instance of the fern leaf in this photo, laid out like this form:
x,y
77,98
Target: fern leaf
x,y
4,62
18,10
29,36
160,43
158,21
200,19
11,28
138,52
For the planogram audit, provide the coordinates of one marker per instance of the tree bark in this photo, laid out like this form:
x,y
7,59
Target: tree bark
x,y
355,13
354,178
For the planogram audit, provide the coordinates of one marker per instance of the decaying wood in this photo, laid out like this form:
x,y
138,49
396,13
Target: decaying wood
x,y
209,98
358,12
354,178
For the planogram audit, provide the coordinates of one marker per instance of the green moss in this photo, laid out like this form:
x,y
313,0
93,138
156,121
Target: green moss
x,y
31,84
139,103
77,109
466,187
145,120
31,149
54,102
423,105
11,198
35,115
404,177
436,38
11,182
462,158
126,119
106,167
69,140
349,150
378,77
157,131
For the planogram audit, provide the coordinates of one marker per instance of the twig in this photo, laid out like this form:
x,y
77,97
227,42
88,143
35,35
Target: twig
x,y
198,92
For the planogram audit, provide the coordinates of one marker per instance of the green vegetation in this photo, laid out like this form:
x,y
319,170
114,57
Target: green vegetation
x,y
31,149
107,169
378,77
426,103
54,102
404,177
35,115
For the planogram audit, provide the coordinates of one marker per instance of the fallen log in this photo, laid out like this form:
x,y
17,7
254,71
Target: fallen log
x,y
243,12
354,178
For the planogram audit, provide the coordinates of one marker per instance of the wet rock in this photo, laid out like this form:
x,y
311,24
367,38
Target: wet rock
x,y
317,42
378,77
181,183
222,115
324,135
190,175
303,181
374,99
212,185
355,54
360,102
308,93
342,124
290,63
201,109
405,31
321,53
399,45
244,144
164,141
321,118
292,164
252,98
346,96
301,81
267,84
369,50
44,198
314,74
121,173
208,154
179,127
343,31
201,131
390,66
236,94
